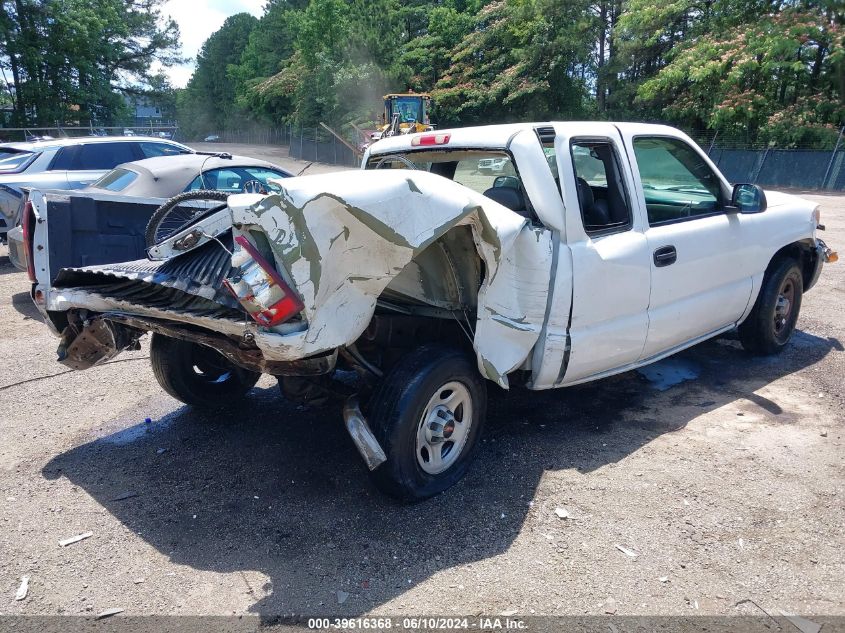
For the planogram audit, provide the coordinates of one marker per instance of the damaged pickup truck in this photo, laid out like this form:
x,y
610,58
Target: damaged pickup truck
x,y
609,246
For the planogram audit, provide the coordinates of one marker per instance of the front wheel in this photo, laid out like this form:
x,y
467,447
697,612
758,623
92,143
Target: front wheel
x,y
196,374
428,415
771,323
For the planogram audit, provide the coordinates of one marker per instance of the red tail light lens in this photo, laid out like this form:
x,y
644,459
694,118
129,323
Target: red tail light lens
x,y
259,288
27,226
430,139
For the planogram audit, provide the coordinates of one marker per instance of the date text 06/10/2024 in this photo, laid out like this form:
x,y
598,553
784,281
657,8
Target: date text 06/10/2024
x,y
482,623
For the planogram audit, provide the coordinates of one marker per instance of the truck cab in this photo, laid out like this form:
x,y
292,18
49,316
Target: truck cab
x,y
654,250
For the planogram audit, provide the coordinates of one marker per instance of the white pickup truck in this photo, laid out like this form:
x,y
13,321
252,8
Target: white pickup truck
x,y
610,246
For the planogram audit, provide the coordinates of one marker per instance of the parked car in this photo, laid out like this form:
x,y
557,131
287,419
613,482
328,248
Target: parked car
x,y
69,163
166,176
496,165
211,138
633,248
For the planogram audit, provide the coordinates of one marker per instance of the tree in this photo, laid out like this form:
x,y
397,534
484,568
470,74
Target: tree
x,y
71,60
524,59
771,78
767,69
208,102
427,57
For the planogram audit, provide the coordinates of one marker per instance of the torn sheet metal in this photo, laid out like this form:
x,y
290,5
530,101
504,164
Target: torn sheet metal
x,y
342,238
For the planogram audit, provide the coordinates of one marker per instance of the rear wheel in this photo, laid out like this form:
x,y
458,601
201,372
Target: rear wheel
x,y
196,374
428,416
772,321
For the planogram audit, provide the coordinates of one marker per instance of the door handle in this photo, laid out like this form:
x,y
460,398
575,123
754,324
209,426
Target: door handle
x,y
665,256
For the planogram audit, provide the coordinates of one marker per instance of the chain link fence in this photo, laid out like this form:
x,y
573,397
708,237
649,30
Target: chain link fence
x,y
309,144
818,165
796,168
254,136
321,146
24,134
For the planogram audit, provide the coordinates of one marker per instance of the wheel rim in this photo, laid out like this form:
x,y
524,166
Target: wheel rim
x,y
444,428
783,306
181,217
210,367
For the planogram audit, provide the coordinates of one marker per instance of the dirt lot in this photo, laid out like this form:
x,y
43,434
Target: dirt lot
x,y
728,485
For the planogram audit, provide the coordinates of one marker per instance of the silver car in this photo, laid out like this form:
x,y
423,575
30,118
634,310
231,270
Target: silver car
x,y
68,163
160,178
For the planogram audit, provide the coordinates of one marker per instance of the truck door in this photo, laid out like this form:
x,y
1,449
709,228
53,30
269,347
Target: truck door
x,y
701,256
605,234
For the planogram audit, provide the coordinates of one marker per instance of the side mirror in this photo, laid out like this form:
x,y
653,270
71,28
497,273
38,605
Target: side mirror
x,y
748,198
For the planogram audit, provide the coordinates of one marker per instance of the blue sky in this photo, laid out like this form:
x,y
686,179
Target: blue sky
x,y
197,19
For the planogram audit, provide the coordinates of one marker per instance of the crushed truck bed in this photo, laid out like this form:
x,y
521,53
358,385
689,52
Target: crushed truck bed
x,y
345,241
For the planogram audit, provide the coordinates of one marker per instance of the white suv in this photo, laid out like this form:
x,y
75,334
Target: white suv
x,y
68,163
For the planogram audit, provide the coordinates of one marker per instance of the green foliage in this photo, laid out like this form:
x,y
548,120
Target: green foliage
x,y
208,103
73,60
524,59
762,70
771,75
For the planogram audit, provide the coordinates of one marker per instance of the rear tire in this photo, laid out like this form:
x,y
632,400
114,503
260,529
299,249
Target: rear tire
x,y
197,375
428,415
770,324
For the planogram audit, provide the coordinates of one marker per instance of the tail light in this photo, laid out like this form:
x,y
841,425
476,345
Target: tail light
x,y
27,227
259,288
431,139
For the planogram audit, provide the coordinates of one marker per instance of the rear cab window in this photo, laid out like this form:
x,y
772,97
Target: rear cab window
x,y
602,196
491,173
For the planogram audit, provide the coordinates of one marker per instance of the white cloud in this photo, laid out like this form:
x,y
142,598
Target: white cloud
x,y
197,19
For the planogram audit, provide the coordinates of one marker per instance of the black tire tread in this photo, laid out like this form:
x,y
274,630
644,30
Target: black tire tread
x,y
167,357
175,201
398,385
755,333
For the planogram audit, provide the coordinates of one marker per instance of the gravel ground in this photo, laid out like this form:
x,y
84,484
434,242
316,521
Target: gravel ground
x,y
728,487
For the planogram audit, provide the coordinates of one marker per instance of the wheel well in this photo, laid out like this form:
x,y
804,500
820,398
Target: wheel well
x,y
804,255
447,274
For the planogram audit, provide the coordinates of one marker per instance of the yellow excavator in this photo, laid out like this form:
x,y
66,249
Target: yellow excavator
x,y
405,113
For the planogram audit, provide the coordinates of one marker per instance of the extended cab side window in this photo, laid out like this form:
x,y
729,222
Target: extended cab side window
x,y
601,190
677,182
